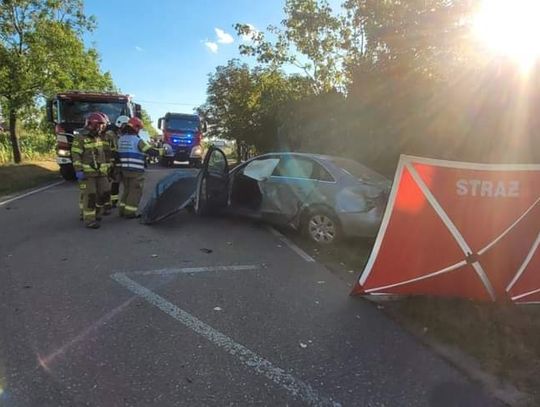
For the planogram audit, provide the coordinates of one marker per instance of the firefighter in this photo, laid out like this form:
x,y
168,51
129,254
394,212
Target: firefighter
x,y
92,164
112,132
132,156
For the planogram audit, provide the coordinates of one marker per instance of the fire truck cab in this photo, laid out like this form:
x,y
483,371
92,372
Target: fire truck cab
x,y
68,111
182,138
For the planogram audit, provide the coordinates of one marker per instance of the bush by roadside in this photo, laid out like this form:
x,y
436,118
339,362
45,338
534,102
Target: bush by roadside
x,y
35,145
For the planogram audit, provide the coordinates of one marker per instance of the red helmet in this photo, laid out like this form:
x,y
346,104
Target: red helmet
x,y
95,121
135,123
107,121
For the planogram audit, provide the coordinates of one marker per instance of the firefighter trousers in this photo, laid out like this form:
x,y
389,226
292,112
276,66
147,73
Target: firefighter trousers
x,y
115,188
95,194
132,188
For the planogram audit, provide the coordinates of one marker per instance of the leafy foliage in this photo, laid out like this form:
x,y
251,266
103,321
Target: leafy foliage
x,y
392,77
37,37
148,125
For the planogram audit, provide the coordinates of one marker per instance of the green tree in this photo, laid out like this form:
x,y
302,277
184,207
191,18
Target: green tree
x,y
246,104
41,52
309,38
148,124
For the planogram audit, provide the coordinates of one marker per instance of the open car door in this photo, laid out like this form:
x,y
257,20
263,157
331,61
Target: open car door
x,y
213,183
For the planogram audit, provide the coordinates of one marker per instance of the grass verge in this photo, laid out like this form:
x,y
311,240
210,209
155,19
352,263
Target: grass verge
x,y
18,177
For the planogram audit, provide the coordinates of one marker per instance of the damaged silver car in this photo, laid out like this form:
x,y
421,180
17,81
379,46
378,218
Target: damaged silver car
x,y
325,197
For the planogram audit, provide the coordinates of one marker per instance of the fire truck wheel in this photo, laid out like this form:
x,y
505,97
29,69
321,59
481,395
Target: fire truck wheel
x,y
67,172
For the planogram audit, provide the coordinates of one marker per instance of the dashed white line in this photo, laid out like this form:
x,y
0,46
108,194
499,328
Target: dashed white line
x,y
190,270
32,192
291,245
296,387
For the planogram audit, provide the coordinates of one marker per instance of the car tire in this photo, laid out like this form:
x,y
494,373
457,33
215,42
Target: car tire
x,y
320,226
196,163
67,172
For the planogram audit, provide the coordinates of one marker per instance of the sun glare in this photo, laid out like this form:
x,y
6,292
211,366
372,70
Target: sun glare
x,y
510,29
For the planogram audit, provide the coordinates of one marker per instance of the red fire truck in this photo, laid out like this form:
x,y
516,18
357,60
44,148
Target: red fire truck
x,y
68,111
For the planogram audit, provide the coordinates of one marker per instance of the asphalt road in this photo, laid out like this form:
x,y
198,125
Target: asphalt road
x,y
133,315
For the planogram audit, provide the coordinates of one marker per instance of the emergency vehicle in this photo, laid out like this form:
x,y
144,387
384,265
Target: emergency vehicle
x,y
68,111
182,138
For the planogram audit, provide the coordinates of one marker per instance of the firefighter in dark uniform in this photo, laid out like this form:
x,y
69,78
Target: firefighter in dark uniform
x,y
132,152
112,133
91,160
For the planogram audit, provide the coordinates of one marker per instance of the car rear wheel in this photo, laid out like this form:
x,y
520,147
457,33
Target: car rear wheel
x,y
321,227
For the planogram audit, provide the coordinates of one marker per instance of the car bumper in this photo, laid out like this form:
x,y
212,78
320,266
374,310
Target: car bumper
x,y
361,224
185,153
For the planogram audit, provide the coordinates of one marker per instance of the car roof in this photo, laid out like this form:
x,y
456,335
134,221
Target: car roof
x,y
308,155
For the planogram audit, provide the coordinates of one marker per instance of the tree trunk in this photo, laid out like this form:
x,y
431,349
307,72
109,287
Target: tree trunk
x,y
239,151
13,136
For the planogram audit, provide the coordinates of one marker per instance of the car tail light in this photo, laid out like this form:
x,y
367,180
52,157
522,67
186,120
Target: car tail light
x,y
59,129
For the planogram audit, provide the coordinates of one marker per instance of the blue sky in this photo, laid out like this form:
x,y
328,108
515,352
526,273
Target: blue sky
x,y
161,51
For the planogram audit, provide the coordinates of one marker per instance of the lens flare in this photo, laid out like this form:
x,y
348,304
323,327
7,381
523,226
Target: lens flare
x,y
510,29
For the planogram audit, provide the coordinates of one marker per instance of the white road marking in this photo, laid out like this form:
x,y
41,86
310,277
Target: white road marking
x,y
190,270
291,245
296,387
32,192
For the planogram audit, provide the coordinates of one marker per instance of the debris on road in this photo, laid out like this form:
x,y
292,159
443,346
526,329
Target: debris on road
x,y
303,345
218,309
321,282
154,255
207,251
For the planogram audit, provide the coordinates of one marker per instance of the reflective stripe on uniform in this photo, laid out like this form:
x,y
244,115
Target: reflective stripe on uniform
x,y
76,150
132,160
129,208
146,147
95,144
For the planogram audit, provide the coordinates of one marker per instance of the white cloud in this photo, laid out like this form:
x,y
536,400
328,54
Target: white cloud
x,y
139,49
212,46
251,35
223,37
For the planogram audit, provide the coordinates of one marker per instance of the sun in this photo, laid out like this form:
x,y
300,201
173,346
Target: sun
x,y
510,29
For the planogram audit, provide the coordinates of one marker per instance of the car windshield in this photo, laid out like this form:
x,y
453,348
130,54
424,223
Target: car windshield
x,y
183,123
76,111
357,170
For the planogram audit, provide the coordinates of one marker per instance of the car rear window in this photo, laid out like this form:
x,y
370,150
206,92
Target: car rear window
x,y
358,170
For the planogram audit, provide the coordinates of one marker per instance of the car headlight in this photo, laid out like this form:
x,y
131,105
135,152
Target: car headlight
x,y
196,151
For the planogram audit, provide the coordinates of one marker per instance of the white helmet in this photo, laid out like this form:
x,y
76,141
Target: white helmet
x,y
121,121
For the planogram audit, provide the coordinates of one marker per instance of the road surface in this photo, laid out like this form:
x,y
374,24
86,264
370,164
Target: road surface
x,y
192,312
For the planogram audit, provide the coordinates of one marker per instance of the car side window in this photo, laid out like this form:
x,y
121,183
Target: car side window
x,y
301,167
321,174
294,167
